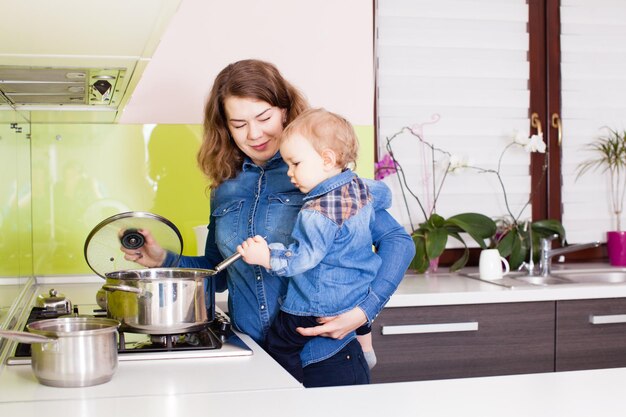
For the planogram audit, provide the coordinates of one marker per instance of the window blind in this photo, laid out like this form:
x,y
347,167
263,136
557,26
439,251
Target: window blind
x,y
593,58
457,72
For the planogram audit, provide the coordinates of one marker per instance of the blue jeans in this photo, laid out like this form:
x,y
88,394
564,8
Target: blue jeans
x,y
284,343
346,367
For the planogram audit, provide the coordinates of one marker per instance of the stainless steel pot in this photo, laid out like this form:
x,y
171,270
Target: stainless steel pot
x,y
71,351
160,301
155,301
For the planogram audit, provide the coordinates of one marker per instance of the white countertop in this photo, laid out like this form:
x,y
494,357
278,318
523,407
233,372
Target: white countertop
x,y
567,394
256,385
161,377
443,288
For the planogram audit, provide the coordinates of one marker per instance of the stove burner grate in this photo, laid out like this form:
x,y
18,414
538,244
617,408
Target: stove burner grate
x,y
209,337
202,339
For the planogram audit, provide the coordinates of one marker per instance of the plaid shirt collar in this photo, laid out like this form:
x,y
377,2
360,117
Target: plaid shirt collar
x,y
330,184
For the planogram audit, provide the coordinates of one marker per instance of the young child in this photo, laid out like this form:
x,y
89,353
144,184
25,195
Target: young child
x,y
331,260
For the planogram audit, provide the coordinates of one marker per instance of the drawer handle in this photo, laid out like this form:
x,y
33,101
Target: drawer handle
x,y
430,328
607,319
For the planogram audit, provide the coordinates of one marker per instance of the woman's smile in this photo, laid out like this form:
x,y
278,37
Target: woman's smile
x,y
259,147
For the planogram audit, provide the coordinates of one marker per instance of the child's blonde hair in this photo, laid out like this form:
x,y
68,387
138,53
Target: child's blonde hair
x,y
326,130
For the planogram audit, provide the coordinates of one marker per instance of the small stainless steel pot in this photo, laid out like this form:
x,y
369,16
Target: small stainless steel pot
x,y
160,301
71,351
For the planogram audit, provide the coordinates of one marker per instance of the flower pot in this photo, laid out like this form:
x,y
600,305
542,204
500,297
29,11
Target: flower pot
x,y
433,265
616,248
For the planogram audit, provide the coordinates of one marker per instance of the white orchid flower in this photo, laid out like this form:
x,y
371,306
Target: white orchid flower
x,y
454,163
536,144
521,138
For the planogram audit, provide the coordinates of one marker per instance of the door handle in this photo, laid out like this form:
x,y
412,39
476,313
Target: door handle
x,y
536,123
471,326
607,319
556,123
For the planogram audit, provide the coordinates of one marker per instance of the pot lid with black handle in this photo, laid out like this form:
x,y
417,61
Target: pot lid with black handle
x,y
103,244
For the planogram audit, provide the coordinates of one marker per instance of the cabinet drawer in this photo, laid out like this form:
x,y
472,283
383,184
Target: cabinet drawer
x,y
591,334
420,343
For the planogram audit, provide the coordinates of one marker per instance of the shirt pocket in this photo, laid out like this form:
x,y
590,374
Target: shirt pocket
x,y
282,211
227,217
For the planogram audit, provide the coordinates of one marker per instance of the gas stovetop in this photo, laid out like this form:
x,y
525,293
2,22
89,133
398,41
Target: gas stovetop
x,y
215,340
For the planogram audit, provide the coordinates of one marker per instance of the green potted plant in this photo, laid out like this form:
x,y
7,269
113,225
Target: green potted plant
x,y
515,237
509,235
431,236
610,156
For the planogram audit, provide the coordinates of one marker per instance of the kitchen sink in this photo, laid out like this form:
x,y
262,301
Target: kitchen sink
x,y
559,277
513,279
541,280
593,276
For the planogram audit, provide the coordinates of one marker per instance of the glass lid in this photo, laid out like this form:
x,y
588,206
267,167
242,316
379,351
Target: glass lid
x,y
103,245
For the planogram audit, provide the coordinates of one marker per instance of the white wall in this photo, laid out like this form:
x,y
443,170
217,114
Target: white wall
x,y
325,47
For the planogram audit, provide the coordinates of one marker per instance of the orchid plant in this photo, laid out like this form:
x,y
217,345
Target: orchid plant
x,y
431,236
508,234
514,238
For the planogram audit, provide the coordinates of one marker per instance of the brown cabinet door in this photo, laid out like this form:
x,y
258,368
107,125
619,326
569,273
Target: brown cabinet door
x,y
590,334
463,341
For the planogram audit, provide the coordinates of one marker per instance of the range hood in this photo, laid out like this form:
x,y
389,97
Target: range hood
x,y
62,66
71,87
82,94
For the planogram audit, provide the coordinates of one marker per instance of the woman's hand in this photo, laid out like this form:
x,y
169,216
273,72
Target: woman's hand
x,y
151,254
336,327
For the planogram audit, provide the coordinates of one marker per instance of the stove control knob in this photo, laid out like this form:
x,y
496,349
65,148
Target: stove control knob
x,y
224,326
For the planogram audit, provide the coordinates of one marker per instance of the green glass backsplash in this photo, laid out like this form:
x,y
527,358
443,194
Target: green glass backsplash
x,y
82,174
90,172
16,251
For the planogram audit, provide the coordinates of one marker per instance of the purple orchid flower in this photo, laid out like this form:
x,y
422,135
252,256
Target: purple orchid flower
x,y
384,167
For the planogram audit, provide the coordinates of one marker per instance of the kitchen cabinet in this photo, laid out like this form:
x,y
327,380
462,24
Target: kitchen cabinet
x,y
440,342
590,334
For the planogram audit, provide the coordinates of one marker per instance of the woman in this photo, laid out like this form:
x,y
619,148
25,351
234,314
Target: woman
x,y
249,105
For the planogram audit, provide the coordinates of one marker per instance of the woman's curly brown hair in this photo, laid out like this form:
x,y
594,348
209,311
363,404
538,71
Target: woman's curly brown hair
x,y
219,158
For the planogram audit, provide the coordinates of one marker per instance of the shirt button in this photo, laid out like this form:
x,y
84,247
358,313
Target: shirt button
x,y
287,200
258,278
249,220
288,253
262,306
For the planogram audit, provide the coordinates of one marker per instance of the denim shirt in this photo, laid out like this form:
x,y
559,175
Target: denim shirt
x,y
331,261
262,201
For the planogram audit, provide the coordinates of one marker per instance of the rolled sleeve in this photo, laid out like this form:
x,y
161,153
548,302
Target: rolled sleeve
x,y
371,306
278,258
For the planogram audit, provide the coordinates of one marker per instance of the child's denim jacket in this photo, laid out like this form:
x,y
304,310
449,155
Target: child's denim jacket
x,y
331,262
262,201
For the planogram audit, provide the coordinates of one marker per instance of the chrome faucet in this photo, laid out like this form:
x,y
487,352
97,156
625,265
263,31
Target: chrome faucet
x,y
547,253
530,264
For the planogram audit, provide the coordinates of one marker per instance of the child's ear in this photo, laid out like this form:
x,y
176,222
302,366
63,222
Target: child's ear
x,y
330,158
